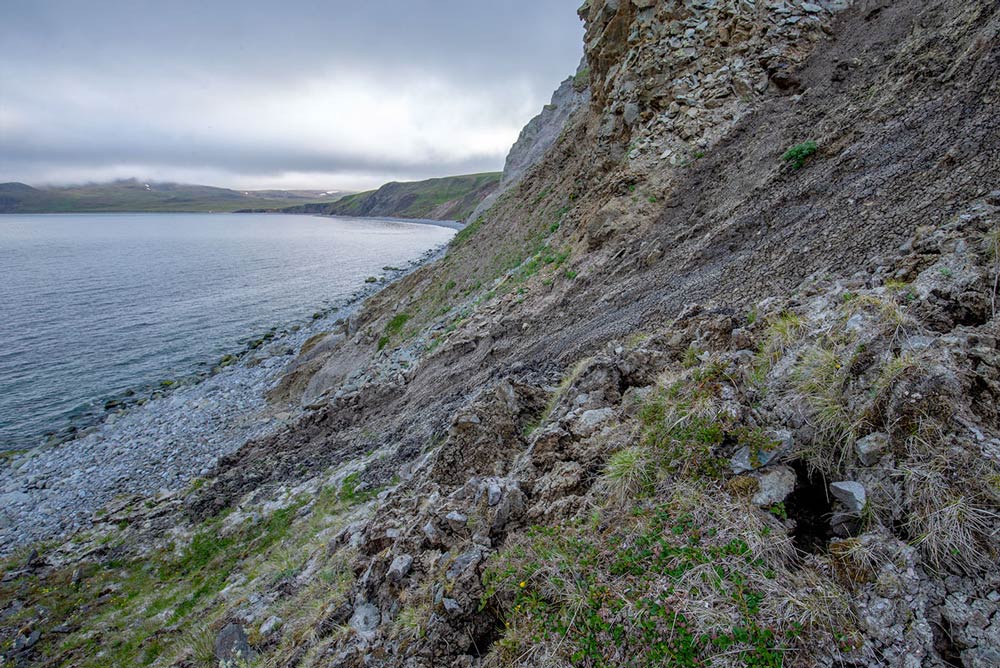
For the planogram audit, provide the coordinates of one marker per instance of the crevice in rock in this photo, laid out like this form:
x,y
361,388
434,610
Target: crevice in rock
x,y
810,507
487,632
944,644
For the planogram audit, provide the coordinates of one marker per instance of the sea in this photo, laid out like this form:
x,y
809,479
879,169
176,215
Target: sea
x,y
95,307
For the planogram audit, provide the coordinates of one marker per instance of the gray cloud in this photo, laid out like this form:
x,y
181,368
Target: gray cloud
x,y
254,94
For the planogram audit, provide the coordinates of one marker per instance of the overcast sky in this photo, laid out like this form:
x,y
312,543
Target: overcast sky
x,y
285,94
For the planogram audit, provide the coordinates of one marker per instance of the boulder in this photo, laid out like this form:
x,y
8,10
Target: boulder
x,y
365,619
232,647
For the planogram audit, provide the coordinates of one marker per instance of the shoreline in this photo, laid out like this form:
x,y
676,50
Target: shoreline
x,y
456,225
160,446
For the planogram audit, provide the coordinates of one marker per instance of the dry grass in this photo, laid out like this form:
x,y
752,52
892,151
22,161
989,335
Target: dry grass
x,y
953,510
890,313
782,332
629,473
819,383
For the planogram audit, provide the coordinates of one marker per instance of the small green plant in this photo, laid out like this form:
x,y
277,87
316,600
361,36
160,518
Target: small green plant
x,y
392,328
797,155
779,511
350,493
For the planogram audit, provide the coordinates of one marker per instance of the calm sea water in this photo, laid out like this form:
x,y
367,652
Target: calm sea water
x,y
93,305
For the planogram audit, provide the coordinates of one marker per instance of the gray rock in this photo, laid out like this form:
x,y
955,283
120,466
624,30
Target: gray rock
x,y
870,448
400,568
744,460
231,646
631,114
270,624
775,486
25,642
14,499
451,606
464,562
981,657
590,420
456,520
432,533
365,619
494,492
851,494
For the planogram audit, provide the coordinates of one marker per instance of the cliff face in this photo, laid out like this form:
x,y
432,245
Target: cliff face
x,y
714,383
539,135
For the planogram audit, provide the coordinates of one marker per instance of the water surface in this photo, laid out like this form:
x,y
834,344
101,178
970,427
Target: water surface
x,y
93,305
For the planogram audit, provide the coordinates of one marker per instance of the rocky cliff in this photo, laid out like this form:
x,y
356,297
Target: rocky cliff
x,y
713,383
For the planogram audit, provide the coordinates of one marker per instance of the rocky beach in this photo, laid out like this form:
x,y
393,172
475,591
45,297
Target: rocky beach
x,y
159,447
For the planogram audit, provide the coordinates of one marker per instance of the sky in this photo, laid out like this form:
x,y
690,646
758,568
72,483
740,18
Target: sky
x,y
252,94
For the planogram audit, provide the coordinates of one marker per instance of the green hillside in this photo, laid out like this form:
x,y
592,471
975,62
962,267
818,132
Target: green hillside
x,y
448,198
136,196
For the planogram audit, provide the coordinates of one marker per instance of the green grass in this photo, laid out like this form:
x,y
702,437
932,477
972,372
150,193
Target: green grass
x,y
179,586
133,196
419,199
657,588
393,328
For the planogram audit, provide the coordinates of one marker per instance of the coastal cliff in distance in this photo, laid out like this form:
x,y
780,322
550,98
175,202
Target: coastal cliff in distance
x,y
715,382
451,198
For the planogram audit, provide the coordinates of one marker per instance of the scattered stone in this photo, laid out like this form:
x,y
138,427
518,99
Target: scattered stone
x,y
870,448
456,520
400,568
851,494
